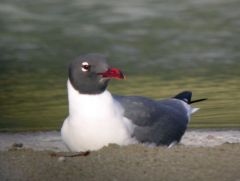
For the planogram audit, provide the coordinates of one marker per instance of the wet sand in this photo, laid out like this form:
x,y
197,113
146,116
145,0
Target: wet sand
x,y
135,162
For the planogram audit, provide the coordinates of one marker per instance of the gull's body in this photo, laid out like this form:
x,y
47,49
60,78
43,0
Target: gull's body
x,y
98,118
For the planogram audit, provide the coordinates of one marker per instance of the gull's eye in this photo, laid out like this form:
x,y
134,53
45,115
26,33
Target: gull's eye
x,y
85,67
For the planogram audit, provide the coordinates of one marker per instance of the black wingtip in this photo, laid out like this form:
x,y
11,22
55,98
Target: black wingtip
x,y
186,96
198,100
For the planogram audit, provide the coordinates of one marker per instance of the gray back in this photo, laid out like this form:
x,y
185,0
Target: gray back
x,y
160,122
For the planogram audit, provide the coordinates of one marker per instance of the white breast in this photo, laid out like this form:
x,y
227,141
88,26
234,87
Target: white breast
x,y
94,121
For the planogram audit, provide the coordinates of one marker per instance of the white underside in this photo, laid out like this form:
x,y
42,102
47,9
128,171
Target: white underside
x,y
95,121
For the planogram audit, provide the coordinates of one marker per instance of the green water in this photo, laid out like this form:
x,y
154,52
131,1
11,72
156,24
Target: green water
x,y
163,47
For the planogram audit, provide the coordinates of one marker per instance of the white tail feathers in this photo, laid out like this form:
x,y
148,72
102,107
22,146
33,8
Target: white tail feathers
x,y
193,110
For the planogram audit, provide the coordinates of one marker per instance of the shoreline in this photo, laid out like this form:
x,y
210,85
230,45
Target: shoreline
x,y
51,140
58,130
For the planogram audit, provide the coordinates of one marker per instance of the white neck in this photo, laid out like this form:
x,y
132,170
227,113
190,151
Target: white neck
x,y
88,105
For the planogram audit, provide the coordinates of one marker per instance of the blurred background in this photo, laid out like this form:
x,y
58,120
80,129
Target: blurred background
x,y
163,47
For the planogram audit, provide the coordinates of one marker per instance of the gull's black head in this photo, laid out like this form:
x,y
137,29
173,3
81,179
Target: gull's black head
x,y
90,74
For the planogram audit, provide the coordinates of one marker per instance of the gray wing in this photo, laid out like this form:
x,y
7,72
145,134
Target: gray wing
x,y
160,122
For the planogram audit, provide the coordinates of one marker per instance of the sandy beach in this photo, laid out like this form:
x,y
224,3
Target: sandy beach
x,y
203,155
135,162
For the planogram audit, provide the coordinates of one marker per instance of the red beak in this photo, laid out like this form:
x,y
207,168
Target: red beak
x,y
112,73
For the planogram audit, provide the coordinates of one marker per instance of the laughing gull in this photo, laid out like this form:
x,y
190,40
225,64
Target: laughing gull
x,y
98,118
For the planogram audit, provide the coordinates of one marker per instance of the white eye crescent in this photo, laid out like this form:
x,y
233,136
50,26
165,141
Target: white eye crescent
x,y
85,67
